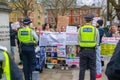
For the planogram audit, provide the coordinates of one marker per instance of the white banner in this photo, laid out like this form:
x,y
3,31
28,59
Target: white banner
x,y
52,38
72,38
71,29
110,40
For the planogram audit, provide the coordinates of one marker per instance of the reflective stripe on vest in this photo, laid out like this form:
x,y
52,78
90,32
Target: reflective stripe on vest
x,y
7,66
87,36
25,35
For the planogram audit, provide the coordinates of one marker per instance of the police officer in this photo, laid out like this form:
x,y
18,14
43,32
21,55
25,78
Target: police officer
x,y
88,39
8,68
28,38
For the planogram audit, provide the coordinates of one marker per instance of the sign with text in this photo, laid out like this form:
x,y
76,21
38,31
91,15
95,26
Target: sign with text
x,y
108,45
63,21
71,29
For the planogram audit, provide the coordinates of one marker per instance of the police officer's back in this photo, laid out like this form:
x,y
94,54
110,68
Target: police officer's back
x,y
88,39
28,38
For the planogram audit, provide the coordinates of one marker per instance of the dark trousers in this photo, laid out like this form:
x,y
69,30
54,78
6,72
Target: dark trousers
x,y
28,58
63,63
87,61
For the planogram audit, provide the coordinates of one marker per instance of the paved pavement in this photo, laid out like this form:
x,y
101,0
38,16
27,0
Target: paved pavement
x,y
71,74
58,74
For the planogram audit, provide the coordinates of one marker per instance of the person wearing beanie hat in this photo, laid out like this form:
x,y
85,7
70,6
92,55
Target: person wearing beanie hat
x,y
28,39
99,25
100,22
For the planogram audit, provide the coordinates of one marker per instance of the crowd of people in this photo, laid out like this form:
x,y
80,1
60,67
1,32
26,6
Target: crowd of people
x,y
90,38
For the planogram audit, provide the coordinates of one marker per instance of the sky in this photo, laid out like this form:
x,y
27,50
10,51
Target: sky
x,y
90,2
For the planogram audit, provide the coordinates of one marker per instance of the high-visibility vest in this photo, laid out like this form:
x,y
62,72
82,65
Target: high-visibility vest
x,y
25,35
88,36
4,66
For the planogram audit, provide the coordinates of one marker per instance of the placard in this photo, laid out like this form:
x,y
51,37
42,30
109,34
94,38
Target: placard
x,y
63,21
71,29
108,45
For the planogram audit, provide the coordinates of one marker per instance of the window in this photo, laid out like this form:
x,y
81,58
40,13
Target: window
x,y
76,19
93,10
85,11
38,23
75,12
51,20
38,17
80,12
80,20
38,11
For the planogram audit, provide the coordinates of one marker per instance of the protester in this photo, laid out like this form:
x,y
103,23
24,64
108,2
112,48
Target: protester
x,y
114,32
13,34
63,29
58,30
47,28
113,67
28,39
38,30
88,40
99,25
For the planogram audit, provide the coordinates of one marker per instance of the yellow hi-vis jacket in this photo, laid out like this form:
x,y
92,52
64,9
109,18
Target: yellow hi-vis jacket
x,y
25,35
88,36
4,66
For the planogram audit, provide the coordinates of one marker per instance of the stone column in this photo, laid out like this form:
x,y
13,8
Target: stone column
x,y
4,25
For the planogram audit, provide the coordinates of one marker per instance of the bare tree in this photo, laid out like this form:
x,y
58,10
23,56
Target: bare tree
x,y
104,14
58,7
66,5
116,5
24,6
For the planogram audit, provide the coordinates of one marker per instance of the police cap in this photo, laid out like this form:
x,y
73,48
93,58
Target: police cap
x,y
89,17
26,21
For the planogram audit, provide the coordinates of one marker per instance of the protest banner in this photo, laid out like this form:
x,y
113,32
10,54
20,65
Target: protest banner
x,y
74,61
71,38
72,52
108,45
63,21
52,38
54,43
51,54
71,29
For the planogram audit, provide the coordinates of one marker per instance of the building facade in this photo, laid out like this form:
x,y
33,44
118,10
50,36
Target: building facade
x,y
76,15
37,16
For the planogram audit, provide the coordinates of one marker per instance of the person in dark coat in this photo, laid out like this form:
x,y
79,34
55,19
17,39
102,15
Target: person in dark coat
x,y
13,33
99,25
15,72
113,67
